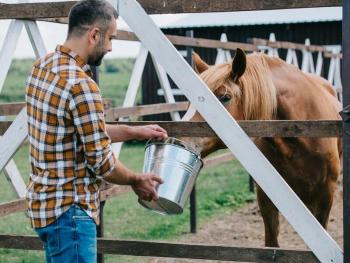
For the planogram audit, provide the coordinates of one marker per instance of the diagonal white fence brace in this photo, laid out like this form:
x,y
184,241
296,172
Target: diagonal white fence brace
x,y
133,87
319,63
13,175
337,82
319,241
222,54
291,57
165,84
334,73
35,38
272,52
6,55
8,48
13,138
307,64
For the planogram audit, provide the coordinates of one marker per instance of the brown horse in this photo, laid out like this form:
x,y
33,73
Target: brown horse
x,y
257,87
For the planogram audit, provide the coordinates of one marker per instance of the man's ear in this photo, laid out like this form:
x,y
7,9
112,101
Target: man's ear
x,y
200,65
239,64
94,35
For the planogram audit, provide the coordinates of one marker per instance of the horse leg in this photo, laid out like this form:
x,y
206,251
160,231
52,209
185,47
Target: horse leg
x,y
270,216
324,203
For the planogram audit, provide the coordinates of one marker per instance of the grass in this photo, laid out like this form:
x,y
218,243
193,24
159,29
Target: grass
x,y
113,80
220,189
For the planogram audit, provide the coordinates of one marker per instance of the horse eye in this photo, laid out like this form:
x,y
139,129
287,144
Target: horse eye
x,y
225,98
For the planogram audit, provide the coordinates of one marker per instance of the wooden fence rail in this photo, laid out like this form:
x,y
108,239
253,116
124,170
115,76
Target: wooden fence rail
x,y
115,113
297,46
320,128
175,250
61,9
11,109
190,41
275,128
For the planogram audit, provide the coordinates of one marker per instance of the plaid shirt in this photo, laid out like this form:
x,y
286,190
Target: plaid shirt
x,y
70,150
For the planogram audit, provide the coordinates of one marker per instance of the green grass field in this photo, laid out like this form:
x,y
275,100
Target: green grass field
x,y
220,189
113,80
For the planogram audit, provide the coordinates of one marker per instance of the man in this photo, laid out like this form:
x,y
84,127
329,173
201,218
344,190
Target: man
x,y
70,144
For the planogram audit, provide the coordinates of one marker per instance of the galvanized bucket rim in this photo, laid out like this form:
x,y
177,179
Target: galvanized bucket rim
x,y
174,142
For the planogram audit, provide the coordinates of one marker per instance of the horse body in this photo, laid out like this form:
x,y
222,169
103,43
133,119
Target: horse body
x,y
257,87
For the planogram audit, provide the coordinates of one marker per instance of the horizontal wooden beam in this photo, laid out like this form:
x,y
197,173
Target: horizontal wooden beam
x,y
7,109
175,250
277,128
252,128
209,43
181,40
115,113
114,190
333,55
61,9
297,46
219,159
20,205
12,207
4,125
286,45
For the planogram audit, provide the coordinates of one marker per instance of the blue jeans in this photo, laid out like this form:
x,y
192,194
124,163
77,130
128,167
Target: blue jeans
x,y
71,238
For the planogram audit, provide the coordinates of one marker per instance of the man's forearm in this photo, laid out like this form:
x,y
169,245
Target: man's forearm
x,y
121,175
120,133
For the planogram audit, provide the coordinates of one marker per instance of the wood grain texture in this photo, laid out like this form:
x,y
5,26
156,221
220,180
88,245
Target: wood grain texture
x,y
8,109
61,9
175,250
115,113
12,207
286,45
252,128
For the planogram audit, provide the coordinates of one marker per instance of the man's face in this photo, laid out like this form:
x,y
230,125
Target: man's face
x,y
104,44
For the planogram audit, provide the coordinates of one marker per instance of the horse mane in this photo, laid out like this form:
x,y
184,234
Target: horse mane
x,y
255,89
259,95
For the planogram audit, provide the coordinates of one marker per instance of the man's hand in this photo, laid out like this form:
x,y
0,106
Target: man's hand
x,y
152,131
145,186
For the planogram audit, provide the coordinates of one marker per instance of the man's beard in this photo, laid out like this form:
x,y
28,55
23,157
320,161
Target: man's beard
x,y
96,60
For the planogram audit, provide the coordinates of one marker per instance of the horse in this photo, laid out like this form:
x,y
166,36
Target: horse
x,y
259,87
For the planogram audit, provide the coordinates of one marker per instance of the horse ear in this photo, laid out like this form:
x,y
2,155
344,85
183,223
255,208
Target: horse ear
x,y
239,64
200,65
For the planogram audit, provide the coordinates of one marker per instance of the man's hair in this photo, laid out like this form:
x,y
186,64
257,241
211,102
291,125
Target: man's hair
x,y
88,12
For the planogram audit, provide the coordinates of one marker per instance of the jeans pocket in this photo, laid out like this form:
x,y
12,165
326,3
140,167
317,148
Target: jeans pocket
x,y
49,235
82,218
80,214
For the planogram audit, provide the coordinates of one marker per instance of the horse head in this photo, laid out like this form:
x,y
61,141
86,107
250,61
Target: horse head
x,y
241,86
223,81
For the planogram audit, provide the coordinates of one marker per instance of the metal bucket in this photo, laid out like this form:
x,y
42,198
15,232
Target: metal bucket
x,y
178,165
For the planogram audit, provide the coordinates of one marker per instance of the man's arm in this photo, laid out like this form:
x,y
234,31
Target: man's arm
x,y
87,111
144,185
121,133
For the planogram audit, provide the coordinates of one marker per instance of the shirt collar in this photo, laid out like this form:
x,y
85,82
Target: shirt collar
x,y
80,62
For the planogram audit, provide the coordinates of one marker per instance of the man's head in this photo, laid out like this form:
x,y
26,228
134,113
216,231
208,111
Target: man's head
x,y
95,22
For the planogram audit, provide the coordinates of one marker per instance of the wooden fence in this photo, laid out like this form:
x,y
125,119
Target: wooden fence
x,y
284,128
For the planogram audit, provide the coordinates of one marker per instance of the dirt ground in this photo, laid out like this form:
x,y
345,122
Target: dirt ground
x,y
244,227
